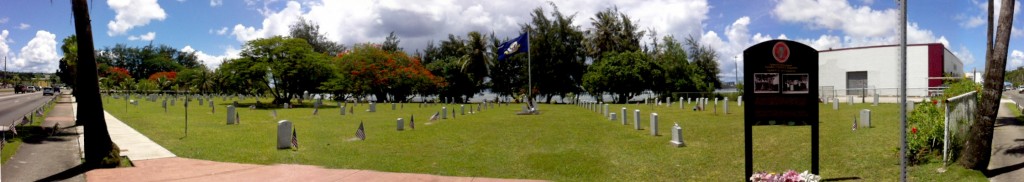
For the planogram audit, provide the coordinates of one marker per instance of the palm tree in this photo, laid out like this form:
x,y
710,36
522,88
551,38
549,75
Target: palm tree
x,y
100,151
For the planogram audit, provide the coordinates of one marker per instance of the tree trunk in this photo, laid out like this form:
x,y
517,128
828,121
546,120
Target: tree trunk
x,y
99,150
978,149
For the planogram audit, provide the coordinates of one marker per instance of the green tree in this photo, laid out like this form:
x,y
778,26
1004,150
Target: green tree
x,y
290,63
391,43
310,32
705,58
624,75
508,77
557,52
66,69
612,31
680,74
99,150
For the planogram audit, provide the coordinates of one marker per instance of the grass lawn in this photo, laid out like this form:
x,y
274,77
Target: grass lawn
x,y
565,143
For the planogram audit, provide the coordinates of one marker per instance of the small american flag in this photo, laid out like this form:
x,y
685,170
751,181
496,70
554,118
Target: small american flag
x,y
237,119
295,140
436,116
412,122
352,110
360,133
274,112
315,110
56,129
25,120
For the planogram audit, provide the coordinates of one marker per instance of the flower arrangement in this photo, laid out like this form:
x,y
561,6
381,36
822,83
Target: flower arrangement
x,y
789,176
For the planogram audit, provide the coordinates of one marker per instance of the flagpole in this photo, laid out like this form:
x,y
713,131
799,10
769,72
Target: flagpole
x,y
529,70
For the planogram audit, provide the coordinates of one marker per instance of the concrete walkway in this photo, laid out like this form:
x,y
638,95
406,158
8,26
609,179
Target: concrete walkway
x,y
1007,146
183,169
48,158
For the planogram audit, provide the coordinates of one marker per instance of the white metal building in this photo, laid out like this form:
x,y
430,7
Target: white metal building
x,y
851,71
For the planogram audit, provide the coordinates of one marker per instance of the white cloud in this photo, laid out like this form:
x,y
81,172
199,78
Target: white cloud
x,y
730,53
5,49
860,26
838,15
215,3
1016,60
417,22
144,37
133,13
965,56
981,16
39,55
222,31
4,20
24,26
212,61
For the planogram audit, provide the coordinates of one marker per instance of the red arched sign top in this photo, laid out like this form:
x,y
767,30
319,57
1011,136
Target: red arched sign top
x,y
781,52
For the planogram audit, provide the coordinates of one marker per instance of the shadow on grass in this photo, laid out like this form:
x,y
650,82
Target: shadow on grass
x,y
38,135
1008,121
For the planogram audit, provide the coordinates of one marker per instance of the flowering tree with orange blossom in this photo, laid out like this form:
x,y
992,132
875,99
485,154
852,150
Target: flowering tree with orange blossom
x,y
392,76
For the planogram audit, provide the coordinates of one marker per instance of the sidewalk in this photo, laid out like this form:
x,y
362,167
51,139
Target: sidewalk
x,y
1007,146
43,157
183,169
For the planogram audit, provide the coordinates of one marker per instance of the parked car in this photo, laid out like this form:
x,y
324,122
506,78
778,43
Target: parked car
x,y
31,89
47,91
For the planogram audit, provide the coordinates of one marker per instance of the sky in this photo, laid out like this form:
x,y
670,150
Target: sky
x,y
31,31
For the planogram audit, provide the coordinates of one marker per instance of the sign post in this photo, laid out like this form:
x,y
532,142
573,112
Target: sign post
x,y
783,79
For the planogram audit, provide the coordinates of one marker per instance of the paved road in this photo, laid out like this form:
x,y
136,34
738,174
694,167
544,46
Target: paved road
x,y
13,107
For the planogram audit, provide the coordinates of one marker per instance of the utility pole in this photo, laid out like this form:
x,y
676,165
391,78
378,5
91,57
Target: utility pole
x,y
736,62
903,89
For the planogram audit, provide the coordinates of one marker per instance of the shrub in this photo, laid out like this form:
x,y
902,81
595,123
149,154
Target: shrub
x,y
924,132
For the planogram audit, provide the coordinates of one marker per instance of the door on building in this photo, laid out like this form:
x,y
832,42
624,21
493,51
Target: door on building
x,y
856,82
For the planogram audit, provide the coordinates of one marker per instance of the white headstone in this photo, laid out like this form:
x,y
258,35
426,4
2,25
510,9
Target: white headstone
x,y
287,106
444,112
231,115
725,105
876,99
164,105
654,124
680,103
739,101
849,100
910,106
393,106
172,101
400,125
342,109
284,134
835,103
636,119
462,109
677,136
611,116
624,116
865,118
373,107
605,110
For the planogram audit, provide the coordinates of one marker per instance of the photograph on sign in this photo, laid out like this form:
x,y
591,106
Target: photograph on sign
x,y
795,83
766,83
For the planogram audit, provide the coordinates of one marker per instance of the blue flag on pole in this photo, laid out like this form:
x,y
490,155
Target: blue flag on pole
x,y
516,45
